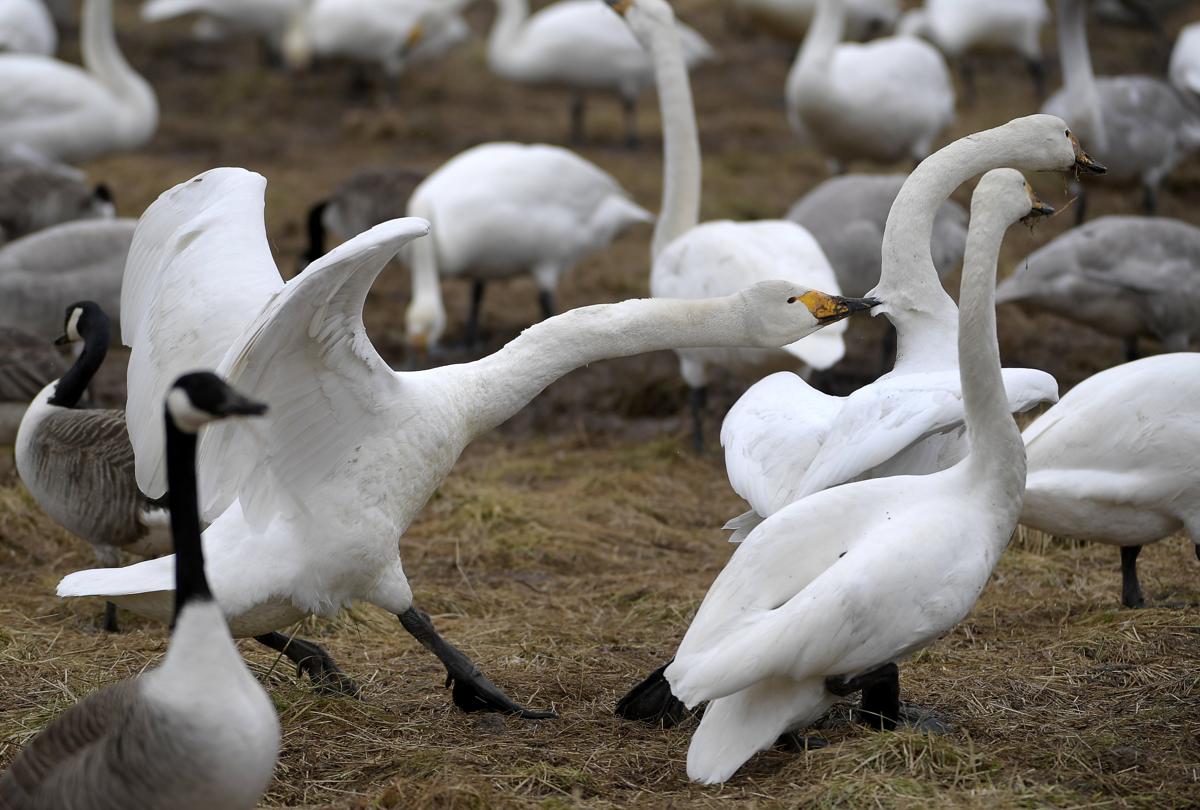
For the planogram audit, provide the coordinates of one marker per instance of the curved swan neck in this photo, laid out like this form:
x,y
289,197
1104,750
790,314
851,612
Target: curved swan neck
x,y
503,383
1079,80
506,30
681,142
996,450
824,33
102,56
426,282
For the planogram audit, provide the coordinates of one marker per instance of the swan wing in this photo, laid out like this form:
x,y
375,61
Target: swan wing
x,y
771,435
309,357
199,271
880,420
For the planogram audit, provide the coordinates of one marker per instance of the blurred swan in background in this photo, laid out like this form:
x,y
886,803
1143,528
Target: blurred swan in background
x,y
266,19
367,198
26,27
27,363
693,260
1140,127
41,271
1115,460
1128,277
502,209
825,597
961,28
37,192
790,19
884,101
76,114
579,44
1185,60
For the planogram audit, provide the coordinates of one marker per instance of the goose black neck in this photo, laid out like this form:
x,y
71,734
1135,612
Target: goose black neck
x,y
316,232
71,385
190,582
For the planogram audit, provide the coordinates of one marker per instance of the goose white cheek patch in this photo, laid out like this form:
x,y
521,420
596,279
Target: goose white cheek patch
x,y
187,417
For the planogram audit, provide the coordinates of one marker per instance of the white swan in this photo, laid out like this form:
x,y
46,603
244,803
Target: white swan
x,y
1184,69
40,271
884,101
500,209
791,18
717,258
26,27
1115,460
826,596
1138,126
391,33
962,27
37,192
1128,277
268,19
580,45
306,512
847,215
197,732
75,114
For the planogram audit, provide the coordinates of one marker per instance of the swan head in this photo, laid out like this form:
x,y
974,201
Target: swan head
x,y
644,16
1046,143
425,323
780,312
84,321
1008,191
201,397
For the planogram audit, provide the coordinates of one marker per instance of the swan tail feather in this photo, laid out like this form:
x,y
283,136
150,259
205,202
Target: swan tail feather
x,y
742,525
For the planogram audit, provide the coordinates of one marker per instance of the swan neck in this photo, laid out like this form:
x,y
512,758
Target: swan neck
x,y
503,383
827,29
681,142
506,31
101,54
1079,80
426,282
996,451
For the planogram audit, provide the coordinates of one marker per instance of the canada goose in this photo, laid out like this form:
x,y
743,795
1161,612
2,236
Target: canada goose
x,y
196,733
579,45
37,192
884,101
692,260
961,28
825,597
27,363
279,545
790,19
363,200
847,215
500,209
40,271
785,441
1139,126
1129,277
78,463
26,27
1115,460
1185,60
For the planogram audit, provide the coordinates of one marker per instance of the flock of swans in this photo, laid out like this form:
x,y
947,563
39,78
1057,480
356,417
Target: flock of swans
x,y
875,519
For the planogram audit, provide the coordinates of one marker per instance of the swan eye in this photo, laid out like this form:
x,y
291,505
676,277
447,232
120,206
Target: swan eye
x,y
792,300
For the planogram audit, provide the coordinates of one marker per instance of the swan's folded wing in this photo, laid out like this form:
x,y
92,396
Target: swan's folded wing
x,y
199,271
881,420
771,435
308,356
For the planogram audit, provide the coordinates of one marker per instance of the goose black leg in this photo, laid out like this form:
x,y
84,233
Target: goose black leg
x,y
578,111
651,701
880,689
631,131
312,660
546,302
699,400
473,692
477,288
1131,589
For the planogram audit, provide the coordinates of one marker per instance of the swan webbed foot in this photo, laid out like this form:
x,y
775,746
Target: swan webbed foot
x,y
312,660
109,623
473,692
798,743
1131,588
651,701
918,718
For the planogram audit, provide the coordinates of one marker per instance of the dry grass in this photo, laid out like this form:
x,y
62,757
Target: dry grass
x,y
567,551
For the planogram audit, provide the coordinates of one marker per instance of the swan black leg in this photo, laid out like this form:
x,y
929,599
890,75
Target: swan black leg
x,y
966,72
651,701
473,692
313,661
477,288
110,618
880,689
1149,199
698,400
578,112
546,301
1037,71
1131,589
631,130
1131,349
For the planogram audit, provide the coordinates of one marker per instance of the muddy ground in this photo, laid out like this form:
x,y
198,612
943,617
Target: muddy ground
x,y
568,549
